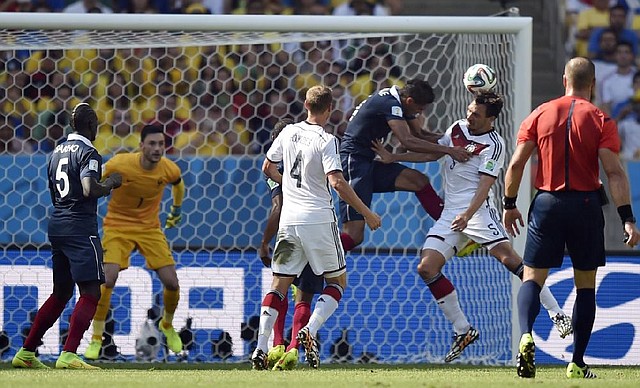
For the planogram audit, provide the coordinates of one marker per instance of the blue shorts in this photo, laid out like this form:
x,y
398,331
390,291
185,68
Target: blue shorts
x,y
366,177
565,218
76,259
309,282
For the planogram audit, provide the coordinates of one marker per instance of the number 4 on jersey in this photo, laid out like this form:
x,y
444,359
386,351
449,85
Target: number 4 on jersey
x,y
296,170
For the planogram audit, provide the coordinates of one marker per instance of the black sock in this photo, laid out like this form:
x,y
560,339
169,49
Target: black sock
x,y
584,314
528,305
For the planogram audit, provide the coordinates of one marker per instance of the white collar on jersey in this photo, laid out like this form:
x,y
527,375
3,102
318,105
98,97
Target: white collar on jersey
x,y
395,93
77,136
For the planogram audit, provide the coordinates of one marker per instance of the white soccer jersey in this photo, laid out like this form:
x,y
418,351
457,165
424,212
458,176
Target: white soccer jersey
x,y
462,179
308,154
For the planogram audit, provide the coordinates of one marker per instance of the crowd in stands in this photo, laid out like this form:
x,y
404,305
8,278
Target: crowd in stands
x,y
608,31
212,101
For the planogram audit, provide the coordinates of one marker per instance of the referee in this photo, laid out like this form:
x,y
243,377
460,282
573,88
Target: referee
x,y
570,135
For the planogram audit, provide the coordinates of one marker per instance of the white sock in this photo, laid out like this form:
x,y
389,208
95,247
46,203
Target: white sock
x,y
268,316
549,302
450,306
325,306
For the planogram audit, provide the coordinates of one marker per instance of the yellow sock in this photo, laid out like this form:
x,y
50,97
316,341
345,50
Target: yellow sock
x,y
101,312
98,329
170,299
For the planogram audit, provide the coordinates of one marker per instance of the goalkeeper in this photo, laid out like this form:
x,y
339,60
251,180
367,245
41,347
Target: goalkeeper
x,y
133,222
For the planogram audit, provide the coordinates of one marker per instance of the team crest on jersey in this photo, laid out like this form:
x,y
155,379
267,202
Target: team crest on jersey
x,y
460,140
396,111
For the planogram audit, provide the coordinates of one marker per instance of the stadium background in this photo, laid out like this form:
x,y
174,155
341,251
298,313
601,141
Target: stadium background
x,y
223,287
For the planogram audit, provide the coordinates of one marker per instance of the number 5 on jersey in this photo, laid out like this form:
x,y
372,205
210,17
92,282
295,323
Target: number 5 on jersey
x,y
61,175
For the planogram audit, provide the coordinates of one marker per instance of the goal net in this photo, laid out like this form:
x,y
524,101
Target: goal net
x,y
218,84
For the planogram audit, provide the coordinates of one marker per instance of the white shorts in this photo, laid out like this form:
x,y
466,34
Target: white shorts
x,y
316,244
484,228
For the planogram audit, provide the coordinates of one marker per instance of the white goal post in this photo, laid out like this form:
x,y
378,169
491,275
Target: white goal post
x,y
216,262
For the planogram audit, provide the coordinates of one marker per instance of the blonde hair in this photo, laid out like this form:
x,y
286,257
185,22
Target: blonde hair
x,y
319,99
580,73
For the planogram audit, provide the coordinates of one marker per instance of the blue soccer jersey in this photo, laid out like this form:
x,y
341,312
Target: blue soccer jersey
x,y
369,122
73,214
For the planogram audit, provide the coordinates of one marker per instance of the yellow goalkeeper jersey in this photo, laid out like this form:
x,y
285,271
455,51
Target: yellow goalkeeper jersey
x,y
137,202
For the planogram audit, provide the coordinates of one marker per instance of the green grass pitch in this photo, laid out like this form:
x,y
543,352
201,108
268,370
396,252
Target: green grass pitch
x,y
119,375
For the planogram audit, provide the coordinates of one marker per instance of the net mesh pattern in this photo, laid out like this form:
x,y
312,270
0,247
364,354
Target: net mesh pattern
x,y
218,95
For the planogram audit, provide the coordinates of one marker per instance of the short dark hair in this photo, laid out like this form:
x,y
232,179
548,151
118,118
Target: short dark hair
x,y
83,118
492,101
420,90
149,129
283,122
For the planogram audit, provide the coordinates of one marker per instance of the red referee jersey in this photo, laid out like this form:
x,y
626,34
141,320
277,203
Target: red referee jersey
x,y
568,132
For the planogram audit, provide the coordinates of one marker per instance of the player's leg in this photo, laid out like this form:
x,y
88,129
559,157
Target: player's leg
x,y
585,244
85,259
409,179
439,247
544,249
50,310
272,307
170,298
505,253
326,257
288,262
359,173
309,284
154,247
117,247
278,349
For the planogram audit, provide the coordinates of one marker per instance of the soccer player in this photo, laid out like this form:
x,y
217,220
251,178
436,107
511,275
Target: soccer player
x,y
572,137
470,212
132,222
397,110
307,284
74,172
308,230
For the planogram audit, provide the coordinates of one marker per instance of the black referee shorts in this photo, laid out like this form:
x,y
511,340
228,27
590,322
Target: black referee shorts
x,y
565,218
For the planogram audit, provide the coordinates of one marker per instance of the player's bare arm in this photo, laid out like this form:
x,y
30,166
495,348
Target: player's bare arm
x,y
417,128
270,230
92,188
512,218
620,191
401,131
344,190
270,169
389,157
460,222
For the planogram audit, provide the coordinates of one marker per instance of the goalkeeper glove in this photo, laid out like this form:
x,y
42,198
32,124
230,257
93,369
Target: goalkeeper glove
x,y
174,218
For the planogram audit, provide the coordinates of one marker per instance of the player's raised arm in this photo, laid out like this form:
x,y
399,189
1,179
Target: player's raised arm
x,y
416,126
401,130
389,157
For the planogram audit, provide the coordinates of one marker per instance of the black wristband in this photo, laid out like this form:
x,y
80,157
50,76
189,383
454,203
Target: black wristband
x,y
509,202
626,214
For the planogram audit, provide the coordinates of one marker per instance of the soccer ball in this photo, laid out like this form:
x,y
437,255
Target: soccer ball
x,y
480,78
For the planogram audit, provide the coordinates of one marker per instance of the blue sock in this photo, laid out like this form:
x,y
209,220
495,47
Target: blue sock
x,y
584,314
528,305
